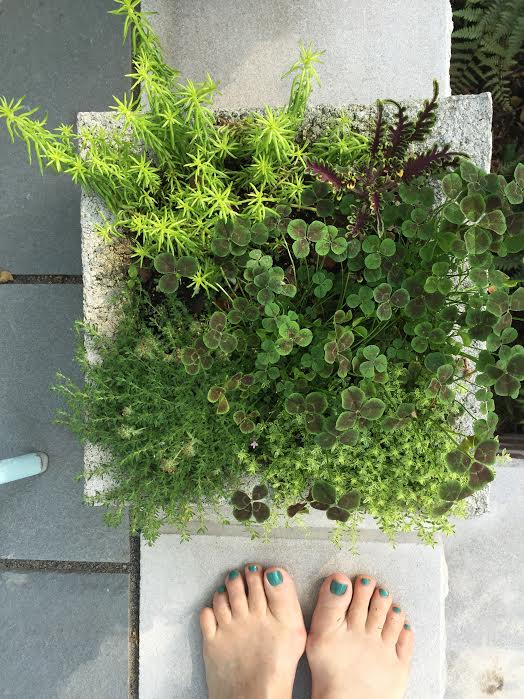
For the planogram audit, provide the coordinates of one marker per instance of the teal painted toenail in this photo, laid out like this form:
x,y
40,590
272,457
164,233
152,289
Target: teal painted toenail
x,y
222,588
407,627
233,574
275,578
253,569
365,581
337,588
397,610
383,593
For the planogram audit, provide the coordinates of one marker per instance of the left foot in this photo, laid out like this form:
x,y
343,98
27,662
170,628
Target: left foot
x,y
253,641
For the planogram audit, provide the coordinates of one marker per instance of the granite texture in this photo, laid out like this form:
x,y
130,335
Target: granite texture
x,y
43,517
65,55
178,578
64,635
373,47
485,605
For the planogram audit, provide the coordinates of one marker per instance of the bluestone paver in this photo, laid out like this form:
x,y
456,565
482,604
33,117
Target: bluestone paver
x,y
43,517
178,578
374,48
64,635
485,605
66,55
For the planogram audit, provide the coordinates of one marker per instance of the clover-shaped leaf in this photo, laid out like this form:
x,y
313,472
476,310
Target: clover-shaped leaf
x,y
245,507
331,243
374,362
217,337
514,191
196,358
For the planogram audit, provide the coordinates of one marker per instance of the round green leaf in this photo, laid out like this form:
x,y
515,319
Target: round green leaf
x,y
350,500
486,452
337,514
473,206
240,499
187,266
452,185
387,248
243,515
450,490
165,263
373,408
323,492
477,240
261,512
458,461
168,283
295,404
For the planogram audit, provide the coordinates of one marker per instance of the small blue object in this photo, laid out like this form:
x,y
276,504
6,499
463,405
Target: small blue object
x,y
22,466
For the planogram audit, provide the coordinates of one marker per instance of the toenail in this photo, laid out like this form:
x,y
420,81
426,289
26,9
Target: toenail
x,y
397,610
365,581
383,593
275,578
233,574
253,569
222,588
337,588
407,627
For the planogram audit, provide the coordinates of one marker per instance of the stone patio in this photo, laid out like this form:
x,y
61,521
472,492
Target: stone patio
x,y
70,587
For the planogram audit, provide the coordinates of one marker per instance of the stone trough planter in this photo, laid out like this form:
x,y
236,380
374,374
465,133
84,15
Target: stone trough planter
x,y
463,121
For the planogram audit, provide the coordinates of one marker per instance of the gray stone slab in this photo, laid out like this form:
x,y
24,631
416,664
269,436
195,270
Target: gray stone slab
x,y
64,635
374,48
65,55
43,517
485,605
177,579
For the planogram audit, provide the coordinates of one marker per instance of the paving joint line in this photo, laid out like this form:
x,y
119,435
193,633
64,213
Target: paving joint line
x,y
46,279
134,615
63,566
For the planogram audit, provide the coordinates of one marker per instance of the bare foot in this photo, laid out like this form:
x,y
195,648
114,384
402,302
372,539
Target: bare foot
x,y
253,641
359,645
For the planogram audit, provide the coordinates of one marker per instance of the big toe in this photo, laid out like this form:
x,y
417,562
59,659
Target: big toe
x,y
282,597
333,601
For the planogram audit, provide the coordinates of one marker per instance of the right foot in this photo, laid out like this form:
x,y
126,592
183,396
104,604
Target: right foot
x,y
253,640
359,645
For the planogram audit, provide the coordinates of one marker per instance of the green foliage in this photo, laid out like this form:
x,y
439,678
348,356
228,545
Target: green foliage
x,y
487,42
169,454
196,170
334,337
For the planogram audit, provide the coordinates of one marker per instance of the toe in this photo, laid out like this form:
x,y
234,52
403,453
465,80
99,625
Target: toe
x,y
405,643
378,610
363,589
393,625
256,600
282,597
333,601
236,592
221,606
208,623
